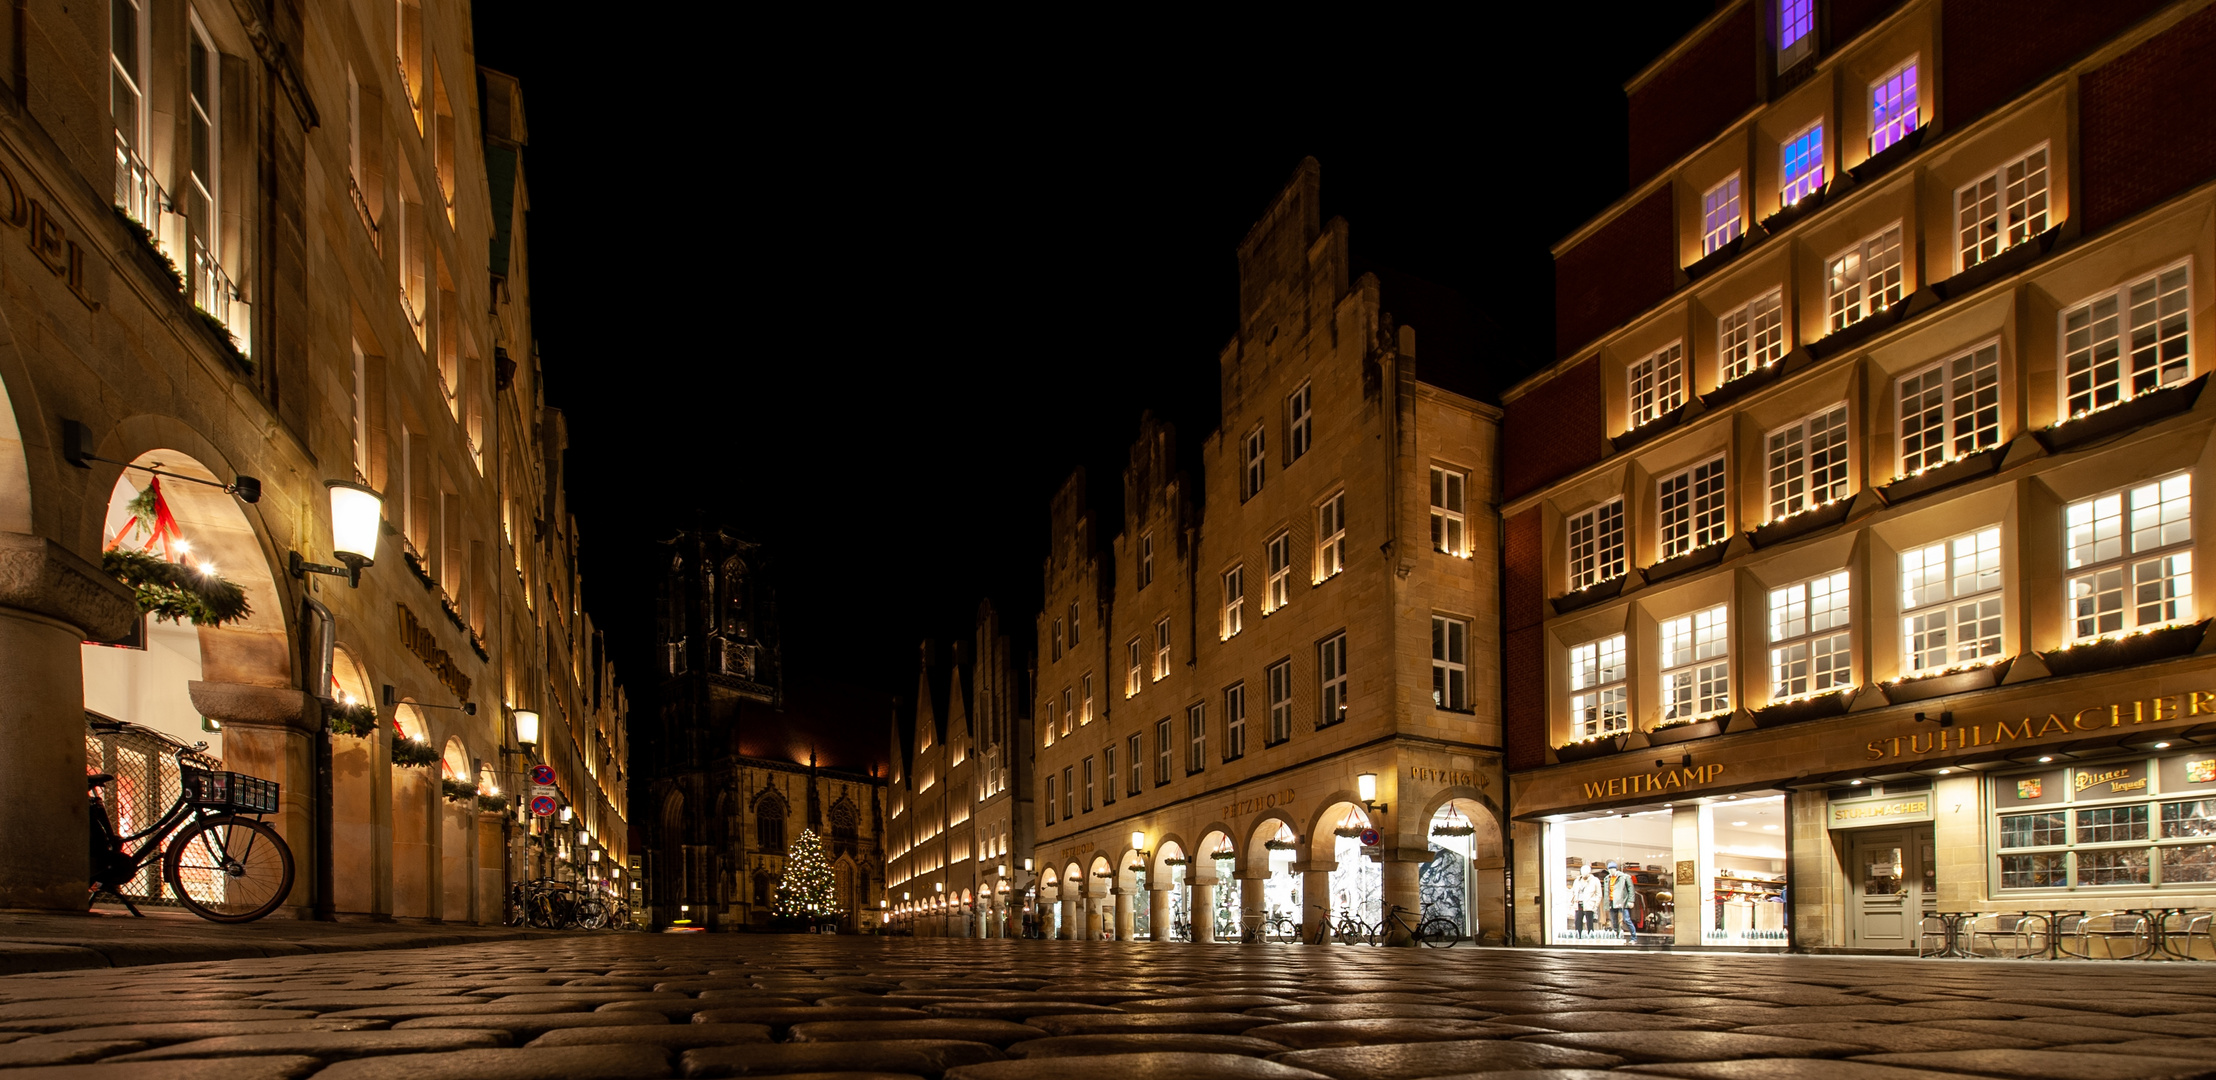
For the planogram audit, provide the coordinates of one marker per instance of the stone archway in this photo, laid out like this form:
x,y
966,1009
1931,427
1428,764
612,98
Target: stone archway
x,y
1351,882
1099,914
1268,883
361,799
457,851
1215,899
15,472
1478,855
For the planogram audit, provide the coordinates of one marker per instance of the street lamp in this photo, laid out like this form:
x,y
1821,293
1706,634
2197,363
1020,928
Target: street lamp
x,y
1365,787
357,515
527,727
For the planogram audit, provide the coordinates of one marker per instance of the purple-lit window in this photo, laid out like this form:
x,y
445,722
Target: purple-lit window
x,y
1796,30
1893,107
1719,215
1804,164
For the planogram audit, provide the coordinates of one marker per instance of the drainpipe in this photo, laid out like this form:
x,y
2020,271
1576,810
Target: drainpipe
x,y
326,633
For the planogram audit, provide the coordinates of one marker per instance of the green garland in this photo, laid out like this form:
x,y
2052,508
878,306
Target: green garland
x,y
457,790
492,804
172,593
413,753
358,719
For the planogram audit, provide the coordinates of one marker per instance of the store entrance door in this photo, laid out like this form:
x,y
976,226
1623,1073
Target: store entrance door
x,y
1890,872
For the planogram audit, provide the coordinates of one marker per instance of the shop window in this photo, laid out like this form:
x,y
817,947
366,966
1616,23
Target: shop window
x,y
1690,505
1234,602
1250,479
1657,385
2127,341
1280,550
2001,209
1162,648
1893,112
1450,666
1596,539
1811,645
2128,822
1162,751
1331,676
1449,488
1234,722
1950,409
1807,462
1803,164
1951,602
1696,665
1196,738
2136,574
1331,536
1597,697
1719,215
1281,701
1753,336
1864,279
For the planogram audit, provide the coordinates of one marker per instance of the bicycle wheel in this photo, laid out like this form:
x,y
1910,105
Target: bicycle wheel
x,y
591,915
1439,932
228,869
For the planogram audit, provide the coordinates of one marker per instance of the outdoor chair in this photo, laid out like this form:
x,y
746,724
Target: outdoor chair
x,y
1932,938
2120,935
2004,935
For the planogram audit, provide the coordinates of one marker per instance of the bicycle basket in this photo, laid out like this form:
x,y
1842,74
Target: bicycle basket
x,y
218,790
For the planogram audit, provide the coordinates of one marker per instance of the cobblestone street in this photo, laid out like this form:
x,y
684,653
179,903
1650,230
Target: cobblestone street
x,y
647,1006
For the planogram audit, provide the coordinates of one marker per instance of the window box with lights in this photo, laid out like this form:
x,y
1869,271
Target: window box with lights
x,y
2144,647
1701,557
1688,730
1795,526
1861,330
1590,595
1987,271
1754,380
1943,683
1587,749
1804,206
1883,161
2135,411
1984,463
1802,710
1665,422
1724,253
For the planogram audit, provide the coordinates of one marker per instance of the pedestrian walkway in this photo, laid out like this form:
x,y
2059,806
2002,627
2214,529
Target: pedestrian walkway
x,y
105,938
634,1005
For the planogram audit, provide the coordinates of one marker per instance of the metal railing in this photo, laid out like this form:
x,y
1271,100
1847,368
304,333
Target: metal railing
x,y
136,192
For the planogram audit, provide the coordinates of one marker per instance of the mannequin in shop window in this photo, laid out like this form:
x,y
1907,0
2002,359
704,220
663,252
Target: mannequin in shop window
x,y
1585,897
1621,898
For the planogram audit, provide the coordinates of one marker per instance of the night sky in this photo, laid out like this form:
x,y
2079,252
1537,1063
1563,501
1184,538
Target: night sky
x,y
867,293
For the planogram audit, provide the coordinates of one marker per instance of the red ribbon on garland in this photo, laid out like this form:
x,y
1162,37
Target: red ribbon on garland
x,y
162,530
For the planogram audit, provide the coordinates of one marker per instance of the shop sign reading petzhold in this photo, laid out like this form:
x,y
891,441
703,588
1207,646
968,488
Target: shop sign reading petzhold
x,y
1645,783
1259,803
2156,710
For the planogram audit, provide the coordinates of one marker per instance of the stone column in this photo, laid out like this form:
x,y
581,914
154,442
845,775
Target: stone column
x,y
1253,904
1126,908
1204,912
1158,913
1403,887
1073,923
267,732
50,601
1093,918
1315,889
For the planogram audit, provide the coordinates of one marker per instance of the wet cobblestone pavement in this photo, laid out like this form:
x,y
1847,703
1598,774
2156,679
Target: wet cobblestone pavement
x,y
620,1006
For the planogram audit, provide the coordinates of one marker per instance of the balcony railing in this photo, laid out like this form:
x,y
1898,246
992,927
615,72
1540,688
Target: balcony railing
x,y
213,292
136,192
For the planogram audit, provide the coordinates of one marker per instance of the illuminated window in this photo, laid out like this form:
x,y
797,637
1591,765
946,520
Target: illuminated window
x,y
1234,722
1807,462
1196,738
1696,665
1597,688
2001,209
1657,385
1796,31
1864,279
1331,536
1069,715
1107,776
1146,560
1331,680
1281,701
126,76
1690,506
1162,648
1234,601
2130,558
1893,111
1255,468
1085,698
1069,793
1163,744
1449,489
1596,539
1951,408
1804,164
1753,337
1132,678
1135,754
1299,424
1719,215
1280,549
202,145
2127,341
1951,601
1450,663
1811,645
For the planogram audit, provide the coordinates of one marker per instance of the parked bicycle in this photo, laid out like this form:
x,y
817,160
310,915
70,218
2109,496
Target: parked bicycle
x,y
220,859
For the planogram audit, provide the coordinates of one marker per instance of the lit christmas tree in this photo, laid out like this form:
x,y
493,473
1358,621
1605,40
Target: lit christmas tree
x,y
805,892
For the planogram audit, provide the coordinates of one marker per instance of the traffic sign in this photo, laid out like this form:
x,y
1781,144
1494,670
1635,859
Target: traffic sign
x,y
543,806
1369,838
542,775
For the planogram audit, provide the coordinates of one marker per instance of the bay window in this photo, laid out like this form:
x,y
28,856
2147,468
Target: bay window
x,y
2129,555
1951,602
1657,385
1753,336
2127,341
1950,409
1696,665
2001,209
1893,112
1597,698
1807,462
1811,641
1690,506
1596,539
1719,215
1864,279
